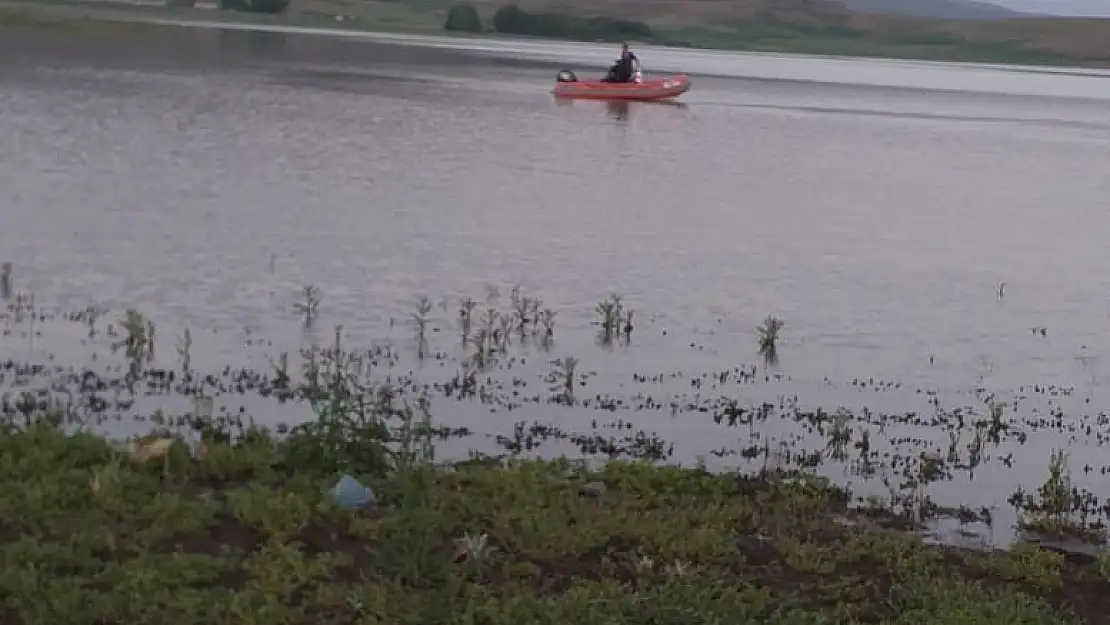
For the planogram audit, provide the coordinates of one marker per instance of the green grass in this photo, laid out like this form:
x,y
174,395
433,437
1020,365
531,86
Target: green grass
x,y
955,51
247,534
26,17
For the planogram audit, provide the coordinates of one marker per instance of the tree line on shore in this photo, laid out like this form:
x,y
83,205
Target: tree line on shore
x,y
247,6
513,20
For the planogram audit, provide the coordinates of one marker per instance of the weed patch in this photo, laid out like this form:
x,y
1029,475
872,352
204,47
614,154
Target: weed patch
x,y
91,537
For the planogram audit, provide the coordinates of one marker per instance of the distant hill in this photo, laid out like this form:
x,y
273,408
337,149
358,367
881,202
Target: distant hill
x,y
1077,8
804,26
936,9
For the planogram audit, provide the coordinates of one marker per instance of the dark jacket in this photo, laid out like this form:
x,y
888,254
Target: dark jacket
x,y
624,66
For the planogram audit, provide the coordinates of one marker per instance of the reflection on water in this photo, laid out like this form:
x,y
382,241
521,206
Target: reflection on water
x,y
618,109
268,45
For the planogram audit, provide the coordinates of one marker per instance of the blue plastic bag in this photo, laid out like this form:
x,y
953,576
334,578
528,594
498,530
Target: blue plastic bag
x,y
349,493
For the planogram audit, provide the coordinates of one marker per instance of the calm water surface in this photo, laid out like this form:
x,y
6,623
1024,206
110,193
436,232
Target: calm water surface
x,y
204,176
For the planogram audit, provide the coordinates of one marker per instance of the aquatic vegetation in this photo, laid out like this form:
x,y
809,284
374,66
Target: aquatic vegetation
x,y
466,317
615,320
492,332
547,320
139,335
1058,509
840,435
281,380
185,351
525,310
995,426
563,379
769,338
22,307
5,280
310,302
420,320
369,410
359,426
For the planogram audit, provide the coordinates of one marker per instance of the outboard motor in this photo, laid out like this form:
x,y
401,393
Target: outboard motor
x,y
565,75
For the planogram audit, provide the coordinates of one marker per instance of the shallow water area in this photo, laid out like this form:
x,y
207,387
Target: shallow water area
x,y
203,178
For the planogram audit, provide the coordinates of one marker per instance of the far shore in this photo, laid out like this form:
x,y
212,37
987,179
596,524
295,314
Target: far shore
x,y
426,30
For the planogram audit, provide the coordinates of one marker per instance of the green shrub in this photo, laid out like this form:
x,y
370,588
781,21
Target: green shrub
x,y
255,6
268,6
510,19
463,18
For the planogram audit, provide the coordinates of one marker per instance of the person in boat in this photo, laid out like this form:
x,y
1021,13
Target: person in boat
x,y
625,67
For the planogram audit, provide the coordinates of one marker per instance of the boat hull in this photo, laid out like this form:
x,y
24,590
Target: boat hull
x,y
655,89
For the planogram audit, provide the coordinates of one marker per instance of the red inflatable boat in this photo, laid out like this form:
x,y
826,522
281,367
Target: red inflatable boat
x,y
567,85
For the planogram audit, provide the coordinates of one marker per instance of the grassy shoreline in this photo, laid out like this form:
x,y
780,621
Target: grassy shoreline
x,y
246,532
209,518
400,20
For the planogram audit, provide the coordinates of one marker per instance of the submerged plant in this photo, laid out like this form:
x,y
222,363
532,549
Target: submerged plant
x,y
489,341
23,305
525,311
5,280
481,356
466,380
420,324
504,333
1056,492
185,351
138,342
281,379
769,337
361,426
307,307
613,321
489,323
562,379
491,332
466,317
975,451
151,333
547,320
91,315
839,435
995,426
30,307
1058,508
865,467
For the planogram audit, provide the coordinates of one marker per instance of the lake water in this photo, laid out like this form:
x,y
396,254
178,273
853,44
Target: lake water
x,y
205,176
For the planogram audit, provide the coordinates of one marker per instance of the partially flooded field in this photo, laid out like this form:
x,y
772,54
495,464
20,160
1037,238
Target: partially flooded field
x,y
855,279
502,374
